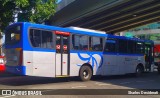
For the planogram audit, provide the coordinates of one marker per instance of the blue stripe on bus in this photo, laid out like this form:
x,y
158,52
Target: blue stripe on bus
x,y
84,51
87,52
90,58
19,70
40,50
126,54
100,52
110,41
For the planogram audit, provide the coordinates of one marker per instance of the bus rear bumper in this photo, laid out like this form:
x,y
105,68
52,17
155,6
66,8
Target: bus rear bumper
x,y
19,70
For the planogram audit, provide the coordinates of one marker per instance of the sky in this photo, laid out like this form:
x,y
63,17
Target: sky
x,y
58,1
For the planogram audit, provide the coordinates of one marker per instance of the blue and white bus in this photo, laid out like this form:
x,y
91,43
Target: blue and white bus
x,y
49,51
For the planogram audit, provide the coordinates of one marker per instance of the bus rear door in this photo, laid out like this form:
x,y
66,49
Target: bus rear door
x,y
62,54
148,56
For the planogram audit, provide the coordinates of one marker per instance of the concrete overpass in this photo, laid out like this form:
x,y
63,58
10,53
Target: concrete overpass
x,y
107,15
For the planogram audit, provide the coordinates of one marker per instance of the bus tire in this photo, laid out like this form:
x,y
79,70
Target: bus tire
x,y
85,73
139,70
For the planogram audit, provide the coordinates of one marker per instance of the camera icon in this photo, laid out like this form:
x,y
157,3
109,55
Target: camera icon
x,y
6,92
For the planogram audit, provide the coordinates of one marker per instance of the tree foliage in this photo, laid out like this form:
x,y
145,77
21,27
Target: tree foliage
x,y
28,10
6,13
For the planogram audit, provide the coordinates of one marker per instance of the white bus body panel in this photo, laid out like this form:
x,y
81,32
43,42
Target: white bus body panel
x,y
41,63
121,64
28,62
58,64
64,64
110,66
76,62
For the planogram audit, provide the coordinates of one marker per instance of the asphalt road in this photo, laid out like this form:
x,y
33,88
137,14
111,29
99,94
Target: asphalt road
x,y
74,88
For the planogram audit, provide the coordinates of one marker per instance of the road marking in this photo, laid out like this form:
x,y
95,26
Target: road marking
x,y
8,96
125,82
78,86
101,84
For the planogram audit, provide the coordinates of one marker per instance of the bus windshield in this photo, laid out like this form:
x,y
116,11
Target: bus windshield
x,y
12,35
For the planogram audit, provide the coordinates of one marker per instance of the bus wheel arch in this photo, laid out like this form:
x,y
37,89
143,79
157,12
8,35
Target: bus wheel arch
x,y
86,72
139,69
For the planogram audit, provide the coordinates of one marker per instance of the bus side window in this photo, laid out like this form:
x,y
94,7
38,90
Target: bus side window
x,y
122,48
41,38
139,47
97,44
35,37
84,42
47,39
76,42
131,46
110,46
80,42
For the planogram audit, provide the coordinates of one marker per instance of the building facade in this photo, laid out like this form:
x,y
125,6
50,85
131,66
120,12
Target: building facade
x,y
150,31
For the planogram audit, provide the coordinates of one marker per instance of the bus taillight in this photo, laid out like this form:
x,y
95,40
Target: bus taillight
x,y
20,55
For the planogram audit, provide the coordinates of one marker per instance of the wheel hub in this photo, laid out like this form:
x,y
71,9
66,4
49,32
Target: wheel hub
x,y
85,74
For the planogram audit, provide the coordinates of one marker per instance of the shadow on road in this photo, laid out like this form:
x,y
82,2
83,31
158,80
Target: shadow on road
x,y
17,80
122,80
145,81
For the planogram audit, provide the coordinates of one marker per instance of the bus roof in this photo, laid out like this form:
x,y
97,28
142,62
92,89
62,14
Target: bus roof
x,y
85,29
77,30
128,38
42,26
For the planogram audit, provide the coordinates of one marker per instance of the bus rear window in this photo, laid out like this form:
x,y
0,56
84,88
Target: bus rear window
x,y
13,34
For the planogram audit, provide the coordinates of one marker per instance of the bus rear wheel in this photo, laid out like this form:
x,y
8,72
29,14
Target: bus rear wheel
x,y
139,71
85,73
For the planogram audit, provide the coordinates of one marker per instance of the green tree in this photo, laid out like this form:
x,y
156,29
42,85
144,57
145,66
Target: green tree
x,y
6,13
36,11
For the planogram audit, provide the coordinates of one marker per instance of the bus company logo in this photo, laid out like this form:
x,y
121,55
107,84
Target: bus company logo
x,y
93,58
6,92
